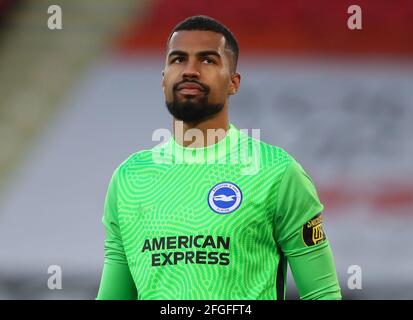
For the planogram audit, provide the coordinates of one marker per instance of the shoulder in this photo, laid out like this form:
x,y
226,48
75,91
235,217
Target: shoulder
x,y
271,156
139,160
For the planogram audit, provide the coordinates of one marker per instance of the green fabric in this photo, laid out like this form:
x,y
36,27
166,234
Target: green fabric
x,y
167,241
116,283
314,274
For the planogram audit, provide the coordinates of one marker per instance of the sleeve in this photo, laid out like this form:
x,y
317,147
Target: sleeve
x,y
315,275
116,282
300,235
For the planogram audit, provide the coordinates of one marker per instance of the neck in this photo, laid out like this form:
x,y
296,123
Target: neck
x,y
198,135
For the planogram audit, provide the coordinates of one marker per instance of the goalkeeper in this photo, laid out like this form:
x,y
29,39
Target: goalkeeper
x,y
191,220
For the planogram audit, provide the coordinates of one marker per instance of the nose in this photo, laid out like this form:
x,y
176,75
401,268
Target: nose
x,y
191,70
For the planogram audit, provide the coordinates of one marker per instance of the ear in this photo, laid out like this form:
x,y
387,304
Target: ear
x,y
235,83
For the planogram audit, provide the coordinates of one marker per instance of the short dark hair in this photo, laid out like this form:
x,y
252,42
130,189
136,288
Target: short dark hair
x,y
205,23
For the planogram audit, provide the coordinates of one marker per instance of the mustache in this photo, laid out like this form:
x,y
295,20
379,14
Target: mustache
x,y
204,87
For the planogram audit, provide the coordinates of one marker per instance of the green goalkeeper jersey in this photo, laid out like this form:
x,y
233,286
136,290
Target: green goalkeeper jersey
x,y
219,222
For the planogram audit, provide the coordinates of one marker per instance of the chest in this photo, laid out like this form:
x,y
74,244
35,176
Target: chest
x,y
180,201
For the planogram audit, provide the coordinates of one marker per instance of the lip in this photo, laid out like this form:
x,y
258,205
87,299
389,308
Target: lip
x,y
190,87
190,91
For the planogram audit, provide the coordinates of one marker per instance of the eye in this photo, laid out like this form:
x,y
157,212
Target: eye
x,y
208,61
177,60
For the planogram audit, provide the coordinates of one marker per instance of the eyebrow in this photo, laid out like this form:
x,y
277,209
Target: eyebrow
x,y
198,54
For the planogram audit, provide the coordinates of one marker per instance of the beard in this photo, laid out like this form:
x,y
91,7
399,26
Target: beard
x,y
193,109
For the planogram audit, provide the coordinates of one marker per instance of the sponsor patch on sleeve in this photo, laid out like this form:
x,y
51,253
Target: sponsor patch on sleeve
x,y
313,232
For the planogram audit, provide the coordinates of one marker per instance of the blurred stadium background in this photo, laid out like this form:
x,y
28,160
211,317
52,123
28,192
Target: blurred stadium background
x,y
75,102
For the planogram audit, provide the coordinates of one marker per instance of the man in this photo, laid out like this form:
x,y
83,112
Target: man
x,y
184,220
